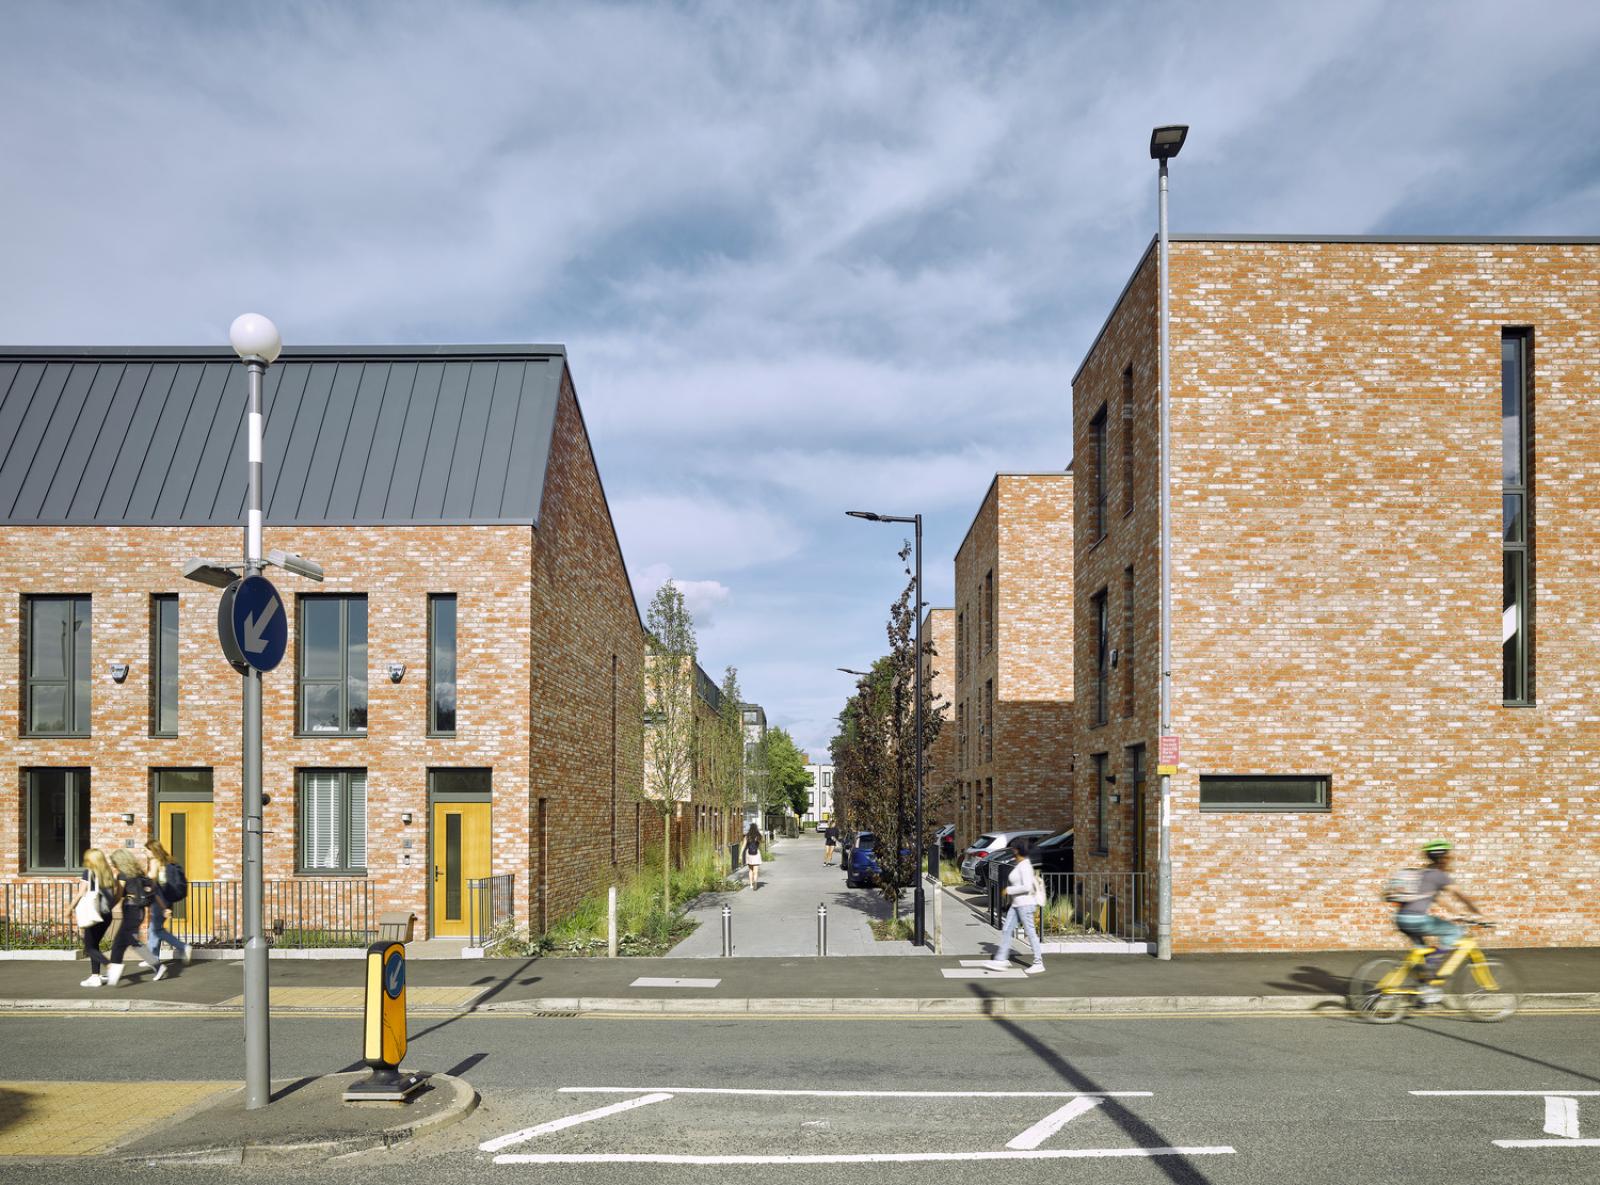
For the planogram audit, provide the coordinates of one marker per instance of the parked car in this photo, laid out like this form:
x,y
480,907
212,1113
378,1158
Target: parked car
x,y
987,845
945,837
860,868
1052,855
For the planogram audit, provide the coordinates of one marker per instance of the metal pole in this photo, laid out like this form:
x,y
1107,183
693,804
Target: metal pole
x,y
727,931
257,1048
611,922
938,919
822,930
919,903
1164,864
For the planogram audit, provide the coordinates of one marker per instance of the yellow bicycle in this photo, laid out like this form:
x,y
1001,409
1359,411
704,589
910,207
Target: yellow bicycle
x,y
1383,990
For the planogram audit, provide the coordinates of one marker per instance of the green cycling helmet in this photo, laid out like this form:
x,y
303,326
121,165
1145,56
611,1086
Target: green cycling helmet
x,y
1436,846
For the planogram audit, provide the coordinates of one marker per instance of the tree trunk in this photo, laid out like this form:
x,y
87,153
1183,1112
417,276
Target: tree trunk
x,y
666,866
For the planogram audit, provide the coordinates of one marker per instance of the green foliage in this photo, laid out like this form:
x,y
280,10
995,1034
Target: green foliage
x,y
785,779
728,771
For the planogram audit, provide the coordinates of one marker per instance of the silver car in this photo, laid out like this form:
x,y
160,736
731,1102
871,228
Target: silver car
x,y
986,845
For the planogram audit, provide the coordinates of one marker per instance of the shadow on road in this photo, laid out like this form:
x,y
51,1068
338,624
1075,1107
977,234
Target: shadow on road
x,y
1522,1057
1178,1169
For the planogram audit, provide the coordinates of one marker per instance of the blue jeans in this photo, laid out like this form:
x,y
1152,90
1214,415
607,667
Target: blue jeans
x,y
1013,915
1421,927
159,933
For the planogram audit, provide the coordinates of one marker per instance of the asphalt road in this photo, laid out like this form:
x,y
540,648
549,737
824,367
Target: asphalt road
x,y
1250,1100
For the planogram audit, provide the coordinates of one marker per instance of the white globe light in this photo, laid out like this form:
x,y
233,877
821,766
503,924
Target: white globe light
x,y
254,336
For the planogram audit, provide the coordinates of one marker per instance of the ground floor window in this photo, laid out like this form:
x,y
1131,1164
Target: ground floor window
x,y
58,819
1264,792
332,820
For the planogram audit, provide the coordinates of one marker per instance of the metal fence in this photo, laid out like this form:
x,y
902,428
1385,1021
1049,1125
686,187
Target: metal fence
x,y
490,901
1120,905
298,914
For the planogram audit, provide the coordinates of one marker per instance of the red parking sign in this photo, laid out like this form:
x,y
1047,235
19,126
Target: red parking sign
x,y
1169,751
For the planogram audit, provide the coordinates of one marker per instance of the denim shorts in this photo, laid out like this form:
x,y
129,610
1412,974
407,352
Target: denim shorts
x,y
1422,926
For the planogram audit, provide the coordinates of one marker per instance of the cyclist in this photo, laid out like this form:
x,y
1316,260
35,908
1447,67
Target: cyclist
x,y
1418,923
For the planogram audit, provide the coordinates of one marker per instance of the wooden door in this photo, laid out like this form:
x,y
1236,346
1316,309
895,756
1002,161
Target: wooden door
x,y
186,831
460,844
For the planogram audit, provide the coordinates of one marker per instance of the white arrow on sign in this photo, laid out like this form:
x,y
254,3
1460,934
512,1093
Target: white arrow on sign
x,y
254,626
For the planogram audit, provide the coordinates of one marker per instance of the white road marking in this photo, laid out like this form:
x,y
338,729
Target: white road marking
x,y
1561,1116
981,973
1053,1122
652,981
555,1125
858,1158
1547,1143
1509,1094
864,1094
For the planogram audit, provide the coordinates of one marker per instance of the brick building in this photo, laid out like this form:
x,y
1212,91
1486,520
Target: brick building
x,y
1013,710
458,697
1385,463
698,807
940,793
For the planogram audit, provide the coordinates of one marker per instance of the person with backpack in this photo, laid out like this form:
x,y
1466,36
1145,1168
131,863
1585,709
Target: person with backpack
x,y
171,887
830,837
1027,894
137,891
92,912
1413,891
752,855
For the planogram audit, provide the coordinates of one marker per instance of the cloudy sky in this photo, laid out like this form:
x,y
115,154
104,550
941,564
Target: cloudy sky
x,y
803,257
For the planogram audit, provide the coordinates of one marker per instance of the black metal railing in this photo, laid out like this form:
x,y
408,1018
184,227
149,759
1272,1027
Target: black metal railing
x,y
319,912
490,901
209,915
37,915
1119,905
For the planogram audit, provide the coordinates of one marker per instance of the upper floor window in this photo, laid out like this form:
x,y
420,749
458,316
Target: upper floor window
x,y
333,665
1125,659
988,611
1127,440
1516,622
57,653
961,646
1102,654
58,819
1097,475
164,666
988,720
827,779
442,664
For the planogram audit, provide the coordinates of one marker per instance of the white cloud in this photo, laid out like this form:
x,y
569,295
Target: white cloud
x,y
702,598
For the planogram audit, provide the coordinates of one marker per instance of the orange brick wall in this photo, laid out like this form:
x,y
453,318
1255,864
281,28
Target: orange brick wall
x,y
540,614
939,674
1337,579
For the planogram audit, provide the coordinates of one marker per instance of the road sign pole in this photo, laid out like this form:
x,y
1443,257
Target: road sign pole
x,y
257,1046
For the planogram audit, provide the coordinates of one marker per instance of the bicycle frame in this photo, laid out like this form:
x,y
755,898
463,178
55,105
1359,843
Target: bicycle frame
x,y
1394,983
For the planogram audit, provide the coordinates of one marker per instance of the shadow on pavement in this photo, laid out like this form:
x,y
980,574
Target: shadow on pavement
x,y
1314,980
1178,1169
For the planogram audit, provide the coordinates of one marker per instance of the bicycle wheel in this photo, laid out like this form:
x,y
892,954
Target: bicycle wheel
x,y
1486,991
1369,1001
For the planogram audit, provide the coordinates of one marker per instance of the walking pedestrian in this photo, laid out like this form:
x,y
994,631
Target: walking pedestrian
x,y
752,855
136,890
1026,894
831,838
171,887
92,911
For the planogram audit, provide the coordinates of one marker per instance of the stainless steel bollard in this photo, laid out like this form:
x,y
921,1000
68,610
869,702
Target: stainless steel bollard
x,y
727,931
822,930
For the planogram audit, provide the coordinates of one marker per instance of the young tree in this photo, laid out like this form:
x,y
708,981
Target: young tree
x,y
729,767
785,777
669,710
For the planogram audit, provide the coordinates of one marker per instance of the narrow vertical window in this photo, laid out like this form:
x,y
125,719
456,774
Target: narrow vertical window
x,y
1100,790
1102,654
58,655
333,665
988,615
988,720
1516,618
961,645
1125,658
1097,475
333,820
442,664
58,819
1127,440
164,666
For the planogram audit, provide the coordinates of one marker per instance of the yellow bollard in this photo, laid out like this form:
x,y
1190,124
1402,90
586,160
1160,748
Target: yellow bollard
x,y
384,1028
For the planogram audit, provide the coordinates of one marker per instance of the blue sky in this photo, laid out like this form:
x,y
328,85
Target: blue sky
x,y
803,257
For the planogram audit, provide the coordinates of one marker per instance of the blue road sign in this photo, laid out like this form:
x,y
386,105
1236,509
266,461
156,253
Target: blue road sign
x,y
253,623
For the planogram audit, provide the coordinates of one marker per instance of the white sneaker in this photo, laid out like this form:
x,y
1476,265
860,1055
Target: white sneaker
x,y
188,953
996,965
1432,995
1036,969
93,981
161,973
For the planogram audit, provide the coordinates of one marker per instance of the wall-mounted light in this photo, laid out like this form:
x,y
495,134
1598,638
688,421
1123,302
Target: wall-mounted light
x,y
1111,777
1116,656
127,816
405,816
397,671
119,671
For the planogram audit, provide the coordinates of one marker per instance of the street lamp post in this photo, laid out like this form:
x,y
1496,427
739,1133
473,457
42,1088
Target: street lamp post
x,y
918,900
1165,143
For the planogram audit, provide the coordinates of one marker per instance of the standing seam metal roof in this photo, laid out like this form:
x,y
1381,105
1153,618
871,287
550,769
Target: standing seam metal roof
x,y
393,435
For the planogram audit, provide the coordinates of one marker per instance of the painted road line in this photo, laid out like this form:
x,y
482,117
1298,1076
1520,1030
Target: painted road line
x,y
980,973
1509,1094
652,981
1053,1122
555,1125
1561,1116
863,1094
857,1158
1547,1143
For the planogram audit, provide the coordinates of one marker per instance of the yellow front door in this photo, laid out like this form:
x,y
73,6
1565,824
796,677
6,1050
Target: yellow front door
x,y
460,855
185,829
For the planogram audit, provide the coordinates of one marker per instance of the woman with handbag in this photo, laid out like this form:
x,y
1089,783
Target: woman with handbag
x,y
1026,894
92,911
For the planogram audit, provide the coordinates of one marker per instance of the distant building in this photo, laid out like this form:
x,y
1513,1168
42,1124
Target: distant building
x,y
821,805
754,717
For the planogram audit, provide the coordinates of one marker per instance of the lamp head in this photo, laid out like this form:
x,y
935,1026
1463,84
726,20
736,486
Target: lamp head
x,y
870,516
254,336
1167,140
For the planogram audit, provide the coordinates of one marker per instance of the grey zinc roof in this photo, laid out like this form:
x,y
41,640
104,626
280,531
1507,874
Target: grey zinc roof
x,y
428,434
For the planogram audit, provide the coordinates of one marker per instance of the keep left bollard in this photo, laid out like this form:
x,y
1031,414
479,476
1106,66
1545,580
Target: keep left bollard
x,y
727,931
822,930
384,1029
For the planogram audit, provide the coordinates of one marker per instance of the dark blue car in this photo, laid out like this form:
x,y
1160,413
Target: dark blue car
x,y
860,867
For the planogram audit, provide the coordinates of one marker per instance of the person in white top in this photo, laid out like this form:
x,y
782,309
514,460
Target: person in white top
x,y
1026,894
